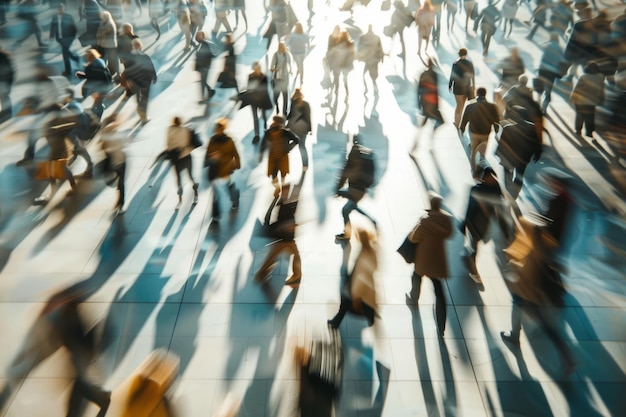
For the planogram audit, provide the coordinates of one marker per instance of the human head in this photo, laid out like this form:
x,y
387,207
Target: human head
x,y
278,120
220,125
61,8
481,92
489,175
91,55
282,48
522,80
297,95
177,121
462,52
105,16
128,29
298,28
200,36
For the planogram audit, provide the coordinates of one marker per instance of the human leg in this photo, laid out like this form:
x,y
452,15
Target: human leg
x,y
440,306
416,285
458,110
304,154
578,121
335,322
516,322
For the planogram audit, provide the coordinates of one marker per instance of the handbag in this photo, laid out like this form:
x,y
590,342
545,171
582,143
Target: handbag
x,y
194,139
51,170
407,250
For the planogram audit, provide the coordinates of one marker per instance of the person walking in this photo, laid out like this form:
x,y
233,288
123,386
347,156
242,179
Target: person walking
x,y
112,142
299,121
106,39
481,116
425,21
97,80
281,69
539,18
550,68
428,95
452,8
586,95
359,173
257,96
485,200
204,59
358,294
222,159
179,146
63,30
228,76
298,47
27,11
488,21
125,42
7,77
279,141
370,51
508,12
341,62
431,259
461,84
141,74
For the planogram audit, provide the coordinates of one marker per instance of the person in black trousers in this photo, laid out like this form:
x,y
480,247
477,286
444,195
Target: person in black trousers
x,y
63,30
7,76
204,58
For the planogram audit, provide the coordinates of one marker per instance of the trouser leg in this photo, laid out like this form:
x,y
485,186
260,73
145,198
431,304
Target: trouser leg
x,y
416,286
440,305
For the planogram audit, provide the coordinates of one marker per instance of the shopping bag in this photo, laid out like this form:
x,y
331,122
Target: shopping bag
x,y
51,170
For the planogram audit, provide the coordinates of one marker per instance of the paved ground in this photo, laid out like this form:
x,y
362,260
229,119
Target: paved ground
x,y
160,279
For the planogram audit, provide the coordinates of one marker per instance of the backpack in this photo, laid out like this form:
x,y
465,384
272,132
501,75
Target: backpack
x,y
368,168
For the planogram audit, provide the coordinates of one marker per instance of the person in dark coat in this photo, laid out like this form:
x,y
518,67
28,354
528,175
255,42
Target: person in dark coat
x,y
179,146
279,141
461,84
63,30
90,9
485,200
512,68
279,24
228,76
98,80
4,8
299,121
518,145
7,76
204,59
488,21
141,74
428,95
550,68
258,97
125,42
27,11
370,51
222,159
358,173
481,116
431,260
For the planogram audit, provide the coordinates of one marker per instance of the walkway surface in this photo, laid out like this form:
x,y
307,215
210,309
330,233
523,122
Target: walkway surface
x,y
161,279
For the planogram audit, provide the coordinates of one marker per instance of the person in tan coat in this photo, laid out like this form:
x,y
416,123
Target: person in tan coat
x,y
431,259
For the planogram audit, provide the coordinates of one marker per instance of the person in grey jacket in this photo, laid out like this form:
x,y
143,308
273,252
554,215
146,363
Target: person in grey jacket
x,y
106,38
431,260
587,94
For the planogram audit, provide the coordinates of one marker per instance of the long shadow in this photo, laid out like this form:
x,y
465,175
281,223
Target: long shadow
x,y
421,357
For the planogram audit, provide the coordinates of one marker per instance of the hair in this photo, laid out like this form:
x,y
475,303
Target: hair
x,y
298,28
481,91
462,52
221,122
127,27
177,121
200,35
92,54
522,80
297,93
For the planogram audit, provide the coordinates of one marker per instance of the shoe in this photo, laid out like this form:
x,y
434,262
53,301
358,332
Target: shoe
x,y
104,406
214,225
476,278
507,337
255,139
293,280
342,236
409,300
211,93
578,133
145,121
23,162
234,207
40,201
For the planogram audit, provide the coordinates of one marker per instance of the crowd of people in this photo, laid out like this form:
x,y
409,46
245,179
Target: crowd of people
x,y
580,36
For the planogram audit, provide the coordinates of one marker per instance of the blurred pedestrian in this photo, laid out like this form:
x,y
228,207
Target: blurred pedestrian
x,y
281,70
586,95
509,10
7,76
90,10
179,145
539,18
401,18
81,132
437,6
125,42
239,7
359,174
561,17
222,159
228,76
537,290
428,95
257,96
461,84
299,122
97,78
279,141
112,143
431,259
4,8
471,11
204,59
452,8
484,206
197,13
298,47
512,68
358,293
488,21
106,39
279,25
141,74
425,21
27,12
370,51
221,16
481,116
550,68
63,30
183,17
341,62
